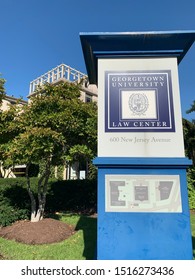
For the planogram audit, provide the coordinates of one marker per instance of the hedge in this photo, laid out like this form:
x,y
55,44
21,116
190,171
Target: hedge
x,y
73,195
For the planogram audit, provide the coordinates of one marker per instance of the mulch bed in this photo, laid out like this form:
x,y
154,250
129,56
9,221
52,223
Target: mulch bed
x,y
46,231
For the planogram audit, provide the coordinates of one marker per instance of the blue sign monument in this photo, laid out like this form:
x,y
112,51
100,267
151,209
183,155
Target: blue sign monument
x,y
143,210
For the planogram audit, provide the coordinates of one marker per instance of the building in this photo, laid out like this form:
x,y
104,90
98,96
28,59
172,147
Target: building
x,y
18,170
64,73
10,100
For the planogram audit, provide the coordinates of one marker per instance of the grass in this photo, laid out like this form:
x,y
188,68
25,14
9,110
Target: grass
x,y
80,246
193,232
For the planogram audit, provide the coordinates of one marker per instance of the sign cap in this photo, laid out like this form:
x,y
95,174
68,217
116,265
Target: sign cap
x,y
133,45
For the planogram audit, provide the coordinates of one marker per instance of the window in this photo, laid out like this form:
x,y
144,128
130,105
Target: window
x,y
88,98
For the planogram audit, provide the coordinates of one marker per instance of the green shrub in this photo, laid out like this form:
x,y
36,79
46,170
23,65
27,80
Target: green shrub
x,y
14,201
73,195
9,213
191,188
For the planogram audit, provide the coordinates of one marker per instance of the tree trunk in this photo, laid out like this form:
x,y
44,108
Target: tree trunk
x,y
32,198
37,214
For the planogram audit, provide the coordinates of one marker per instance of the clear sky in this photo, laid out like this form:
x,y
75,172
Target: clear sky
x,y
38,35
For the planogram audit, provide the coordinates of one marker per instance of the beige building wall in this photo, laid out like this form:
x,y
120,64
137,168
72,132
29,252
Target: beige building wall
x,y
10,100
6,102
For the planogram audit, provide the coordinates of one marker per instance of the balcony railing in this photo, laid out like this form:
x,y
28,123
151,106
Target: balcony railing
x,y
60,72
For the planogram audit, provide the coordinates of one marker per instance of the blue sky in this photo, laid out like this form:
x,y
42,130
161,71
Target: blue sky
x,y
38,35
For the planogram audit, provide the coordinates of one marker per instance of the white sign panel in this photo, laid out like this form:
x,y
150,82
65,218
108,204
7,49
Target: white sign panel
x,y
139,108
142,193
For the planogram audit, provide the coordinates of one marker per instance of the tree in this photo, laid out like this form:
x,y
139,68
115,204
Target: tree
x,y
189,135
189,139
192,109
51,130
2,89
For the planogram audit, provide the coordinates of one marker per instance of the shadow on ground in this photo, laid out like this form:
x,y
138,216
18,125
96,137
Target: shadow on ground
x,y
89,227
193,245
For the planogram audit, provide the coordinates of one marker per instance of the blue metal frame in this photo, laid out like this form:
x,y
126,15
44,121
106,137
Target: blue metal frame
x,y
139,162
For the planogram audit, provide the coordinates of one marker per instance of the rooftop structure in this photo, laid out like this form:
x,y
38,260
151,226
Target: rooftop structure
x,y
63,73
